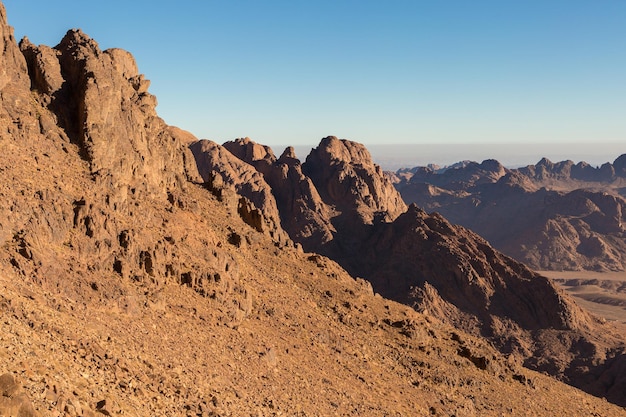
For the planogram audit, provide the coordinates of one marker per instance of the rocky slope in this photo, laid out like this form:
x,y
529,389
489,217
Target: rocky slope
x,y
424,261
551,216
132,285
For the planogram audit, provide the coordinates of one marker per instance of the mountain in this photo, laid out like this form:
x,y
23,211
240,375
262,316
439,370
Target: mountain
x,y
426,262
551,216
137,279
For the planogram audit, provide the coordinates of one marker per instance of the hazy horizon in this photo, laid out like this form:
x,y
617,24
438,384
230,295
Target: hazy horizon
x,y
395,156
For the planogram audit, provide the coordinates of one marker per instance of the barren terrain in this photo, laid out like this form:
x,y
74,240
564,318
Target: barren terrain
x,y
130,285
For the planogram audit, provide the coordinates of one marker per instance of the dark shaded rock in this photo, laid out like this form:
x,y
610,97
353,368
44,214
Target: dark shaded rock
x,y
303,213
223,173
619,165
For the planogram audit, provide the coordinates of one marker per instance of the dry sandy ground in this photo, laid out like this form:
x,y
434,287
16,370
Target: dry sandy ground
x,y
602,293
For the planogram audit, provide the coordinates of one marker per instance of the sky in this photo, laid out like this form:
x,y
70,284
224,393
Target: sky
x,y
378,72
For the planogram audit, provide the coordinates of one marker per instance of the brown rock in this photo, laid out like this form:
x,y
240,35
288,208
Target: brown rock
x,y
13,401
43,66
8,386
13,74
220,169
260,156
347,178
302,212
103,97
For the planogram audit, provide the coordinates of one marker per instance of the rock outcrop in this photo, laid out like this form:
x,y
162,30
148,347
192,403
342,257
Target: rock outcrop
x,y
325,204
241,186
13,76
347,178
97,212
98,95
619,166
303,213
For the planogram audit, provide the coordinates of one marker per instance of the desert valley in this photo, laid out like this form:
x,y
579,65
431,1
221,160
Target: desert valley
x,y
144,271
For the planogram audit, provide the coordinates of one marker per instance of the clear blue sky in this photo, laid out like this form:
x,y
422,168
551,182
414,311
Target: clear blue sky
x,y
291,72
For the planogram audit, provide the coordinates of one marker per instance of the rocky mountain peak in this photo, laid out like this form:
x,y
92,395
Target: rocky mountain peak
x,y
347,178
333,150
544,162
250,151
43,66
278,188
289,156
620,166
79,44
102,104
493,166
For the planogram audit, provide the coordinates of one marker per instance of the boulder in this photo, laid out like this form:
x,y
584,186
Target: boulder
x,y
14,402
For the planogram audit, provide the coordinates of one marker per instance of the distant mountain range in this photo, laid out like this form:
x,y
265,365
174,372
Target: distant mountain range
x,y
512,155
551,216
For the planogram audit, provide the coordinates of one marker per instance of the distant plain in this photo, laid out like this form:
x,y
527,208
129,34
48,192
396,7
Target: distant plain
x,y
602,293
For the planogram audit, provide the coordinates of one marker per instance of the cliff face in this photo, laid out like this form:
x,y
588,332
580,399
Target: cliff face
x,y
98,95
13,75
14,86
81,99
95,212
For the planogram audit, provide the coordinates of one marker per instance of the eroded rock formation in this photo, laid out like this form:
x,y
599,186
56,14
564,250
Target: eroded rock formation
x,y
96,213
323,204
